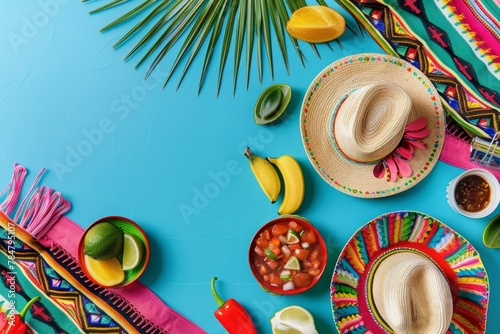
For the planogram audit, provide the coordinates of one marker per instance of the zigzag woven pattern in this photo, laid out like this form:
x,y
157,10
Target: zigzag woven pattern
x,y
466,73
23,264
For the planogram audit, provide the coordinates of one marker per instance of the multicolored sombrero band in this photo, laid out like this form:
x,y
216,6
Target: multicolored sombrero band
x,y
407,231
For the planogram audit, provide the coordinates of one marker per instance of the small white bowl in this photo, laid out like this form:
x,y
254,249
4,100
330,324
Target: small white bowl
x,y
494,195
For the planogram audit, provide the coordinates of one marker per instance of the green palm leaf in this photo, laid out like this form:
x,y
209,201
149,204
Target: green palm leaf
x,y
237,24
258,31
227,41
213,40
267,35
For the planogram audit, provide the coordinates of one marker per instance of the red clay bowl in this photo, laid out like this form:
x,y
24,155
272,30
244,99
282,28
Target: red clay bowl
x,y
127,226
273,248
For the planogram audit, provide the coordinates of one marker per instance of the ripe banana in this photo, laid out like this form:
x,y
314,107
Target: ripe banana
x,y
266,175
293,180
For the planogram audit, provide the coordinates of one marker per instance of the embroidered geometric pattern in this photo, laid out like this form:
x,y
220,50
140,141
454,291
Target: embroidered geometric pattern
x,y
77,306
472,98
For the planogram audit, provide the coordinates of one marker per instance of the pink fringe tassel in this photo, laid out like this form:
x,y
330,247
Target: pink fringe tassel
x,y
15,185
42,210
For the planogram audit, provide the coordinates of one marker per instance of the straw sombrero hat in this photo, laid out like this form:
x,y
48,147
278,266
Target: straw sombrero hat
x,y
406,272
372,125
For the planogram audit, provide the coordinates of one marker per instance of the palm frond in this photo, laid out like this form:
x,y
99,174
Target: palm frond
x,y
240,36
267,35
213,41
227,41
250,34
236,24
107,6
201,21
258,32
210,22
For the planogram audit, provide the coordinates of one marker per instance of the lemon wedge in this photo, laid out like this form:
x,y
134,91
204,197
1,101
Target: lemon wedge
x,y
105,272
293,320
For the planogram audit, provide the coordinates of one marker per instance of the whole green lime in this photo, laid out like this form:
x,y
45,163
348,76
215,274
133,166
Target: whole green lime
x,y
103,241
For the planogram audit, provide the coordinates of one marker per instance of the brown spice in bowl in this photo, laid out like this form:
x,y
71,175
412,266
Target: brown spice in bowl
x,y
472,193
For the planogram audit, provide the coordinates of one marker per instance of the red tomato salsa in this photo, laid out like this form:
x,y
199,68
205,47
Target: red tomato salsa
x,y
287,256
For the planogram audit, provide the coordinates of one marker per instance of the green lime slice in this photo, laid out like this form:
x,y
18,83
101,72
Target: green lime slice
x,y
491,234
292,237
292,264
133,251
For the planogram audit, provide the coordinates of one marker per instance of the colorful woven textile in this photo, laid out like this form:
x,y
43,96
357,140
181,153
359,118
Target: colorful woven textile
x,y
38,258
456,43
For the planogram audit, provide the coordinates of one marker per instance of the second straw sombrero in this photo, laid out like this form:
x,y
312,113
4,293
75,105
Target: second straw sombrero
x,y
407,272
354,83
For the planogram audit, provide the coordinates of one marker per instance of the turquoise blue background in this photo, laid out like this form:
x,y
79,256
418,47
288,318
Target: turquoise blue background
x,y
173,161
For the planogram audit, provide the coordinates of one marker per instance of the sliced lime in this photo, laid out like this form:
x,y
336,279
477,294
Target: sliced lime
x,y
133,251
292,237
292,264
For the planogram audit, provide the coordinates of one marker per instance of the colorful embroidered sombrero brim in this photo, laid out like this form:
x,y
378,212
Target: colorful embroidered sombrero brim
x,y
458,260
319,104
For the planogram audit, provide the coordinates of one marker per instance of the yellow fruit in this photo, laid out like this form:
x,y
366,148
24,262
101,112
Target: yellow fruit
x,y
316,24
266,175
133,251
293,320
103,241
105,272
293,179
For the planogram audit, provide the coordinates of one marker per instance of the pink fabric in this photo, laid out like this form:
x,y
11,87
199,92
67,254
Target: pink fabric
x,y
457,153
481,33
67,233
43,217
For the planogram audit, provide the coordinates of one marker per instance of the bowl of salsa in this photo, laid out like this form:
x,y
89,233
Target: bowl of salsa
x,y
287,255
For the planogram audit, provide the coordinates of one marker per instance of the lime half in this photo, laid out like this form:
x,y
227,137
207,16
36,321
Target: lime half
x,y
133,251
103,241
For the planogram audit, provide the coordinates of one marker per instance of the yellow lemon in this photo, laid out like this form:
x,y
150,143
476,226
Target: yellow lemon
x,y
316,24
293,320
105,272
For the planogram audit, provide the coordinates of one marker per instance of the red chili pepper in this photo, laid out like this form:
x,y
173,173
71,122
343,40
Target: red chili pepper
x,y
232,315
15,324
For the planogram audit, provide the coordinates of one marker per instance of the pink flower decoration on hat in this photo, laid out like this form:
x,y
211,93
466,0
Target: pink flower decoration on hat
x,y
395,164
